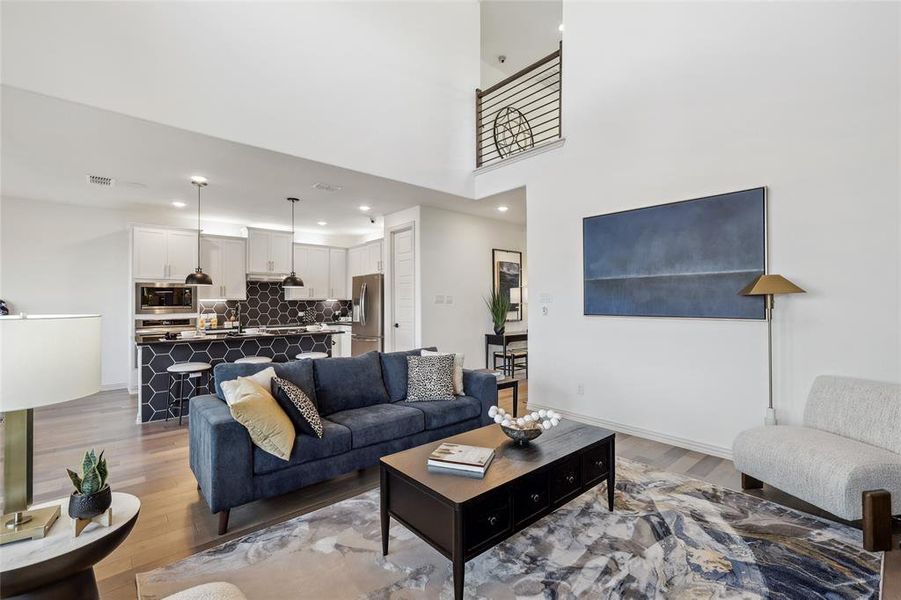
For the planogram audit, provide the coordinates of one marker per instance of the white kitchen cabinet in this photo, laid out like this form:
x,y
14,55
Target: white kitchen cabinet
x,y
161,254
374,257
356,258
337,265
224,258
341,342
316,277
301,260
269,252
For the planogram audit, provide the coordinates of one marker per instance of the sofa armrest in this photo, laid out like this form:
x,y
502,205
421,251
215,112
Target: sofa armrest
x,y
483,386
221,454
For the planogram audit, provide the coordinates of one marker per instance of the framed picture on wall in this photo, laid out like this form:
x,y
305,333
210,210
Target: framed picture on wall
x,y
507,275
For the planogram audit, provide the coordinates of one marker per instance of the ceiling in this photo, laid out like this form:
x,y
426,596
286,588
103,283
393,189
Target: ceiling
x,y
49,146
523,31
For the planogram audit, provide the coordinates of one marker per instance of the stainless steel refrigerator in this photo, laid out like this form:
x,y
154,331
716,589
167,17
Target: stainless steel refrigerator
x,y
367,331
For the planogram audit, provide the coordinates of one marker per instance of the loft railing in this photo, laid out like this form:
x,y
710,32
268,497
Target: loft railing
x,y
521,112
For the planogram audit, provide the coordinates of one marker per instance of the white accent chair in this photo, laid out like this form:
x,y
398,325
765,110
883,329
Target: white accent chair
x,y
845,459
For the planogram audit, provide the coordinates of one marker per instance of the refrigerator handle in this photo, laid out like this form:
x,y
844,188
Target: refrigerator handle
x,y
363,305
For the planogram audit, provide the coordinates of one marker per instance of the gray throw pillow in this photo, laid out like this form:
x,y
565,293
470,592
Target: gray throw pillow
x,y
430,377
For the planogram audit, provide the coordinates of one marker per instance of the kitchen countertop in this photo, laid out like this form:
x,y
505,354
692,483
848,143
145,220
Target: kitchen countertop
x,y
223,335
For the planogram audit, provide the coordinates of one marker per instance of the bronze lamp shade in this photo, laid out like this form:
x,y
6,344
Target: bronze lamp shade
x,y
769,285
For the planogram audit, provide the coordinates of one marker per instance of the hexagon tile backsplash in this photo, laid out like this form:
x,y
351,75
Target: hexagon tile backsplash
x,y
266,305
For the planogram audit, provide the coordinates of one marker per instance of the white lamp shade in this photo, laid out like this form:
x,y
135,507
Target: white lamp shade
x,y
45,359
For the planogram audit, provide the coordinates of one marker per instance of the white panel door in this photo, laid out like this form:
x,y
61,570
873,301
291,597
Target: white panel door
x,y
181,248
212,263
318,270
403,277
258,252
280,248
301,262
337,279
234,269
149,254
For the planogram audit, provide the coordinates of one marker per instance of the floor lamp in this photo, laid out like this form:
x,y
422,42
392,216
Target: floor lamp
x,y
44,359
770,286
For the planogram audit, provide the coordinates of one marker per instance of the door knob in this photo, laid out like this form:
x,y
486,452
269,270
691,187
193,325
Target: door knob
x,y
397,324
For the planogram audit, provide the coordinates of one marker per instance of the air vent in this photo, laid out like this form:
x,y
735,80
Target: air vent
x,y
101,180
326,187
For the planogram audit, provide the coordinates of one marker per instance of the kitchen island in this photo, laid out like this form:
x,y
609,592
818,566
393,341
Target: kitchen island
x,y
156,354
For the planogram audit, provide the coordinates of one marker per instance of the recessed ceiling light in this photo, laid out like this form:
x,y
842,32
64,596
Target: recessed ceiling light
x,y
178,204
560,27
502,209
198,180
321,223
364,208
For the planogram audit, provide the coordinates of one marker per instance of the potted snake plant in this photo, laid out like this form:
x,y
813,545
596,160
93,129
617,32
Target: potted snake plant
x,y
92,495
498,305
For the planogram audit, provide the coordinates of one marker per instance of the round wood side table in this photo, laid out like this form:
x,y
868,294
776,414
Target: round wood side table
x,y
61,566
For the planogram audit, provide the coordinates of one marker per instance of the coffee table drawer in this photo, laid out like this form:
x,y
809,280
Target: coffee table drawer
x,y
566,480
594,464
487,519
530,497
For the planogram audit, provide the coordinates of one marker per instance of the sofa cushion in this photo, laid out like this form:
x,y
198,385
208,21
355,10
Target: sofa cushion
x,y
379,423
335,440
394,371
269,427
430,377
347,383
298,372
440,413
824,469
297,405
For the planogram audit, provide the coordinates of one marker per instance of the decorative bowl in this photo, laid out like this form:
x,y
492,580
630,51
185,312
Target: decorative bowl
x,y
523,435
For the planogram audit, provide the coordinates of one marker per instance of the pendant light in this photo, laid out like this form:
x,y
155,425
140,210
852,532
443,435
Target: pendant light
x,y
198,277
292,280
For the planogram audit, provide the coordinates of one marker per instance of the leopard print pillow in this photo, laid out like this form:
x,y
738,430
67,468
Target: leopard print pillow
x,y
430,377
298,406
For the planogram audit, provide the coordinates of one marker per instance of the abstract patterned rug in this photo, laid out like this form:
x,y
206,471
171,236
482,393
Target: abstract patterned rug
x,y
669,537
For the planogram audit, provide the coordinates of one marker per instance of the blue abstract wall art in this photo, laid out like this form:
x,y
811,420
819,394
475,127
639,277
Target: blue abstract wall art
x,y
685,259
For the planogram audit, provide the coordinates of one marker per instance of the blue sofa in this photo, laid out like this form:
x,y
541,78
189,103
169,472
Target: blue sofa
x,y
365,416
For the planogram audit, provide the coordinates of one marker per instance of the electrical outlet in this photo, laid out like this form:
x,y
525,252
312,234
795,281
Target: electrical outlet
x,y
580,389
439,299
448,299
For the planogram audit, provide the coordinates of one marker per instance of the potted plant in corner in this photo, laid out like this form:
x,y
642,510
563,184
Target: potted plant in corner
x,y
92,495
499,306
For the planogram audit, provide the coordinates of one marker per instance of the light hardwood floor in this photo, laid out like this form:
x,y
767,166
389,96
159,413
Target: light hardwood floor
x,y
151,462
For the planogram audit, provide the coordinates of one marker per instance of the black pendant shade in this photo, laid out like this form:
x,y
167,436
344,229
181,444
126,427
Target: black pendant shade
x,y
198,277
292,280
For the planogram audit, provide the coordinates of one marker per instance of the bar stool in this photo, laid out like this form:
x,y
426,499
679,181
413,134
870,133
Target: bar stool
x,y
254,360
311,355
179,372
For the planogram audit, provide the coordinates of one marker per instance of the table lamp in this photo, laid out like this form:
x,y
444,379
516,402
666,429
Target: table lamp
x,y
44,359
769,286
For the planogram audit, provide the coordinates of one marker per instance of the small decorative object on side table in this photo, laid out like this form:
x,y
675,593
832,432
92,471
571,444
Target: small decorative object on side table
x,y
92,497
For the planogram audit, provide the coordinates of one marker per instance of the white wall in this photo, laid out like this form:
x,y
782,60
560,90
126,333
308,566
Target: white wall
x,y
456,261
385,88
665,102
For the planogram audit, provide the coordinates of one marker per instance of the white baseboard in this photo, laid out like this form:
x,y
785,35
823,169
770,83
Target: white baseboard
x,y
106,387
649,434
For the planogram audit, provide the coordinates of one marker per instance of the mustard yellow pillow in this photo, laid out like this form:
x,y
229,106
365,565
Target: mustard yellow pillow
x,y
270,428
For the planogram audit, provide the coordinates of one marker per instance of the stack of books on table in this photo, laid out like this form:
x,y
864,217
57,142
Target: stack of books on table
x,y
457,459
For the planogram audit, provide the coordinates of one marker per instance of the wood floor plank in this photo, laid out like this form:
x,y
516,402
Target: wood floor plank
x,y
151,462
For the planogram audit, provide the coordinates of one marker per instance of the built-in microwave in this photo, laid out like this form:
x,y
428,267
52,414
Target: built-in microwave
x,y
157,298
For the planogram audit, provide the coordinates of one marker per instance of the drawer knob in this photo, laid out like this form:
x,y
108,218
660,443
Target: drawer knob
x,y
492,521
535,497
570,478
599,462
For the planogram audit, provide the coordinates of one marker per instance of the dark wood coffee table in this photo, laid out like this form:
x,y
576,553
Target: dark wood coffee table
x,y
462,517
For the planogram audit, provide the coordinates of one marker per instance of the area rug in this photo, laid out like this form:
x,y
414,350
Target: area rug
x,y
669,537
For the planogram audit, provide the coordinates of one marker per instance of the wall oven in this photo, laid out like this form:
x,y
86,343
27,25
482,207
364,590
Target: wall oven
x,y
164,298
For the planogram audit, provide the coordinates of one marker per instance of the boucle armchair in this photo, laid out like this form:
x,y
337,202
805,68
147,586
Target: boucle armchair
x,y
845,459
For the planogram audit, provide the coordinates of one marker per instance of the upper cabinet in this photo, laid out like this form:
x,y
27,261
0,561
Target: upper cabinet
x,y
365,259
163,254
323,271
269,252
224,258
